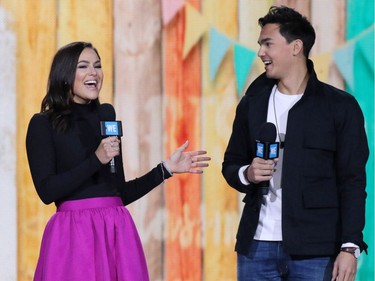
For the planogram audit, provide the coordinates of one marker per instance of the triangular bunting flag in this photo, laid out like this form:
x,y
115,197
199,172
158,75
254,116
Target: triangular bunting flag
x,y
195,26
365,45
243,59
170,9
219,45
321,64
343,58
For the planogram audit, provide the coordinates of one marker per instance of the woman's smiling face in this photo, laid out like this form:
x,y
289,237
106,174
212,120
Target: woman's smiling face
x,y
88,78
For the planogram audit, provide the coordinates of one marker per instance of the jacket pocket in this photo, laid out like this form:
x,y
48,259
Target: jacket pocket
x,y
319,154
320,217
320,139
320,193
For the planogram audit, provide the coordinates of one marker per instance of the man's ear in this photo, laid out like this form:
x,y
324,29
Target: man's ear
x,y
297,47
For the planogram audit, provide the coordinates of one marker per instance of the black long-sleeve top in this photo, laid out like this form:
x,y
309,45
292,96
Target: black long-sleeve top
x,y
64,165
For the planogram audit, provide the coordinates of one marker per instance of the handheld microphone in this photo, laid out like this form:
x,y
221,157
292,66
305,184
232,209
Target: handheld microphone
x,y
109,127
267,148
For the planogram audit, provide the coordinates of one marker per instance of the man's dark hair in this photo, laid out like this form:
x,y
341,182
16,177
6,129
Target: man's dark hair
x,y
292,26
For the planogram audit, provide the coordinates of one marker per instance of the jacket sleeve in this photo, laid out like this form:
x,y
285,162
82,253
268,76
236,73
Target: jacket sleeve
x,y
238,152
352,154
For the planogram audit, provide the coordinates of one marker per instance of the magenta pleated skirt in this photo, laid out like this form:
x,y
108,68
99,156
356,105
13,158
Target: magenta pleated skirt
x,y
91,239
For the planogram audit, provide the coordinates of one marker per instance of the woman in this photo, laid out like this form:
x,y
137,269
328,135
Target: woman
x,y
92,235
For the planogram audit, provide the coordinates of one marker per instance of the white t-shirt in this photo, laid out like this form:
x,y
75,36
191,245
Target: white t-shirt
x,y
269,226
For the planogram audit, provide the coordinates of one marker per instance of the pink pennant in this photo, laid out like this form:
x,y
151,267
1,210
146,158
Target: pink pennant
x,y
170,8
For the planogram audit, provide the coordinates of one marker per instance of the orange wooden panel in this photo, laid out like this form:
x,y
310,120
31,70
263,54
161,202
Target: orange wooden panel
x,y
183,192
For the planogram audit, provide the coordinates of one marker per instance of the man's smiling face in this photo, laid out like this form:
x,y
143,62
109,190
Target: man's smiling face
x,y
275,52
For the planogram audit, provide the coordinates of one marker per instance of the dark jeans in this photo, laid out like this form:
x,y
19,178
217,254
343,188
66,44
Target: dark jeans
x,y
268,261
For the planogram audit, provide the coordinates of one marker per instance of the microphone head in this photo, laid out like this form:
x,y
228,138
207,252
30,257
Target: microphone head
x,y
108,125
267,132
106,112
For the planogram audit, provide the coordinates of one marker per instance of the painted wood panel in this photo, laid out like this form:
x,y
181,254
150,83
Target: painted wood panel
x,y
138,102
219,102
36,34
249,13
87,20
329,38
183,192
8,147
301,6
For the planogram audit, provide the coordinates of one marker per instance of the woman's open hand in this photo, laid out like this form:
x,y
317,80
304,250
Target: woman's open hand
x,y
187,162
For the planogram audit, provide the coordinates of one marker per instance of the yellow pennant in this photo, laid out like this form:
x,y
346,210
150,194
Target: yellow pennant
x,y
195,26
322,64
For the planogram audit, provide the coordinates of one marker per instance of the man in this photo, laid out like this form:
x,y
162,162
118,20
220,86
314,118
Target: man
x,y
308,225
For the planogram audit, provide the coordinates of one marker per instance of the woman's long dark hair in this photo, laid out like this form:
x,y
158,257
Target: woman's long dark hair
x,y
56,103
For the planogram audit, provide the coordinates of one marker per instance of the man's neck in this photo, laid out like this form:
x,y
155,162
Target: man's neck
x,y
294,84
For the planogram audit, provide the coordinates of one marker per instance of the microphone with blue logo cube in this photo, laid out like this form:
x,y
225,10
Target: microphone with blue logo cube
x,y
267,148
109,127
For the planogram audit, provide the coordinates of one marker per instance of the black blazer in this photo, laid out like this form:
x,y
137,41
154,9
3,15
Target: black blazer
x,y
323,177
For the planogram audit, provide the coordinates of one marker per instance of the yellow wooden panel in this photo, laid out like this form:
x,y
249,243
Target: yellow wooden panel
x,y
219,101
87,20
249,13
36,43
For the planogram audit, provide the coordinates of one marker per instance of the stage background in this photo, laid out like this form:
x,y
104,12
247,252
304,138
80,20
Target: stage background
x,y
174,70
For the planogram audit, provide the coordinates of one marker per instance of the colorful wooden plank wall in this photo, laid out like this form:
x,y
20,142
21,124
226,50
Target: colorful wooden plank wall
x,y
187,225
